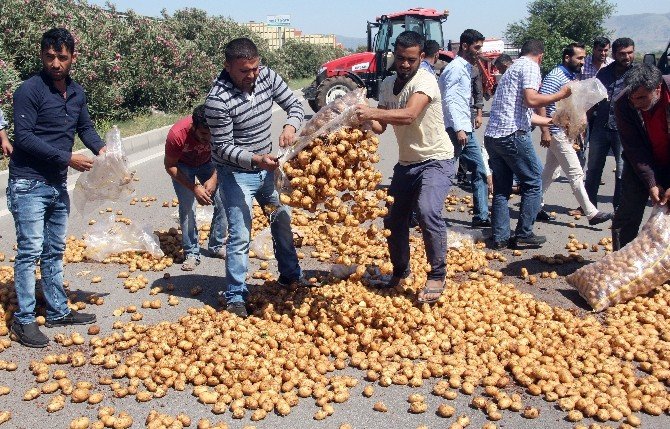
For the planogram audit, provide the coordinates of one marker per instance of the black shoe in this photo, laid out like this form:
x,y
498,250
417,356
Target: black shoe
x,y
501,245
533,240
600,217
543,216
29,335
74,318
481,223
238,309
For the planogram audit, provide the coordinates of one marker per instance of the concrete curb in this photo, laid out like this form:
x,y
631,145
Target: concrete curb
x,y
132,145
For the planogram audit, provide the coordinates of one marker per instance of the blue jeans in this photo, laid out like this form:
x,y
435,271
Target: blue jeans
x,y
421,188
508,156
189,228
471,154
601,140
40,216
239,189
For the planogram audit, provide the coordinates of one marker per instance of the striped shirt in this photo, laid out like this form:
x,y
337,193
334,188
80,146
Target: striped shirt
x,y
240,122
552,83
509,112
589,70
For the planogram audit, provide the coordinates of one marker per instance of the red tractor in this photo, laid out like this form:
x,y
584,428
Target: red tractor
x,y
368,69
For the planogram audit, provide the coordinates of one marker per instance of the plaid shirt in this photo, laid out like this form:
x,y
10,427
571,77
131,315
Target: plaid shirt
x,y
508,112
589,70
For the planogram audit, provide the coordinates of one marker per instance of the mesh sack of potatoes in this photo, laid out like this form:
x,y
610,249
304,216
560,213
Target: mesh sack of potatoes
x,y
639,267
109,237
571,112
110,178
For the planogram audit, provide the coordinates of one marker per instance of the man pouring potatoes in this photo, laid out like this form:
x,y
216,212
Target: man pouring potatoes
x,y
411,102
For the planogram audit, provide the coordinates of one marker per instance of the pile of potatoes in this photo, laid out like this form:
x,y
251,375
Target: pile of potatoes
x,y
638,268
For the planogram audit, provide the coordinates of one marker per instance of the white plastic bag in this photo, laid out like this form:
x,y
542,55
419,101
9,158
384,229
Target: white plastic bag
x,y
458,237
109,237
570,112
262,245
203,214
639,267
110,178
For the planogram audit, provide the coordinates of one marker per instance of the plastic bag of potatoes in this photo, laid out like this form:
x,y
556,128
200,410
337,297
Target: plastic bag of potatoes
x,y
109,237
110,178
336,114
262,245
571,112
639,267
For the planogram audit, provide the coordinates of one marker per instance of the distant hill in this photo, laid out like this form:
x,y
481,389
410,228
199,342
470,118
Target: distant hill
x,y
650,31
352,42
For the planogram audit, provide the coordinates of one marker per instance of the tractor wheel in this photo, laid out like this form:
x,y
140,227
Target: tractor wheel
x,y
332,88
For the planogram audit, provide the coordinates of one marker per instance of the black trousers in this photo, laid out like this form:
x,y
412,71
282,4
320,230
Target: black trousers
x,y
634,197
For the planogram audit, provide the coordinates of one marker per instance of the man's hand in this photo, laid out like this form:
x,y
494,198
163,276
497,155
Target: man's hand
x,y
666,197
210,185
287,136
80,162
657,194
462,137
7,147
202,195
489,183
265,162
545,138
478,120
364,113
564,92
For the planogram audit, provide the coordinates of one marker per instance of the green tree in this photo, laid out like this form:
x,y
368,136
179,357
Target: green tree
x,y
560,22
304,59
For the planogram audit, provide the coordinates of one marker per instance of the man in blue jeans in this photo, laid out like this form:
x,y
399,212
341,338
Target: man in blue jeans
x,y
410,101
48,109
455,84
604,134
511,150
239,112
188,156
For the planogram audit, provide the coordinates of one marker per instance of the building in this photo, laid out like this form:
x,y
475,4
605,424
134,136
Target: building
x,y
276,36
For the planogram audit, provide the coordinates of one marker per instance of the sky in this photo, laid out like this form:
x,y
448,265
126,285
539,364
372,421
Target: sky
x,y
348,17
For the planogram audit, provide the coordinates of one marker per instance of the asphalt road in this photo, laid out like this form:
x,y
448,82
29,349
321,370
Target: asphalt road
x,y
357,411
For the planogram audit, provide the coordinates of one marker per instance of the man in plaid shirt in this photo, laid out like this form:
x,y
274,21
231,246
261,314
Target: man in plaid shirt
x,y
510,149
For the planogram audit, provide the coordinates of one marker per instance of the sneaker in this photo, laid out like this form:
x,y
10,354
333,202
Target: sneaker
x,y
220,254
190,263
533,240
481,223
543,216
501,245
292,284
74,318
600,217
238,309
29,335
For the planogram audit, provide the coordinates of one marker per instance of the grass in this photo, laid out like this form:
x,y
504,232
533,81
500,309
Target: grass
x,y
300,83
128,128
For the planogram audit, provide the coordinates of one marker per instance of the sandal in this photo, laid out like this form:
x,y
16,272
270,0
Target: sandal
x,y
432,287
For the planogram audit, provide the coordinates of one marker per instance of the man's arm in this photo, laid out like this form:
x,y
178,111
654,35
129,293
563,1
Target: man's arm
x,y
415,105
545,136
534,99
26,102
86,131
202,194
5,145
282,95
477,95
456,88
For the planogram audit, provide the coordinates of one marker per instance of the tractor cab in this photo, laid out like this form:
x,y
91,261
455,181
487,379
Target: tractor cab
x,y
368,69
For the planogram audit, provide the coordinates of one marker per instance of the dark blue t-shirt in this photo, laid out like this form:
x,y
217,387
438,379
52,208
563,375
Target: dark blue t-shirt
x,y
44,126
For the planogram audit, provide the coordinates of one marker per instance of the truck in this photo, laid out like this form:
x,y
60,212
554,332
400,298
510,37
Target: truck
x,y
663,62
368,69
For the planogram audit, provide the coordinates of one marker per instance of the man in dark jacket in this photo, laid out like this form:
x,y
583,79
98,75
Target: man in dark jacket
x,y
643,121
